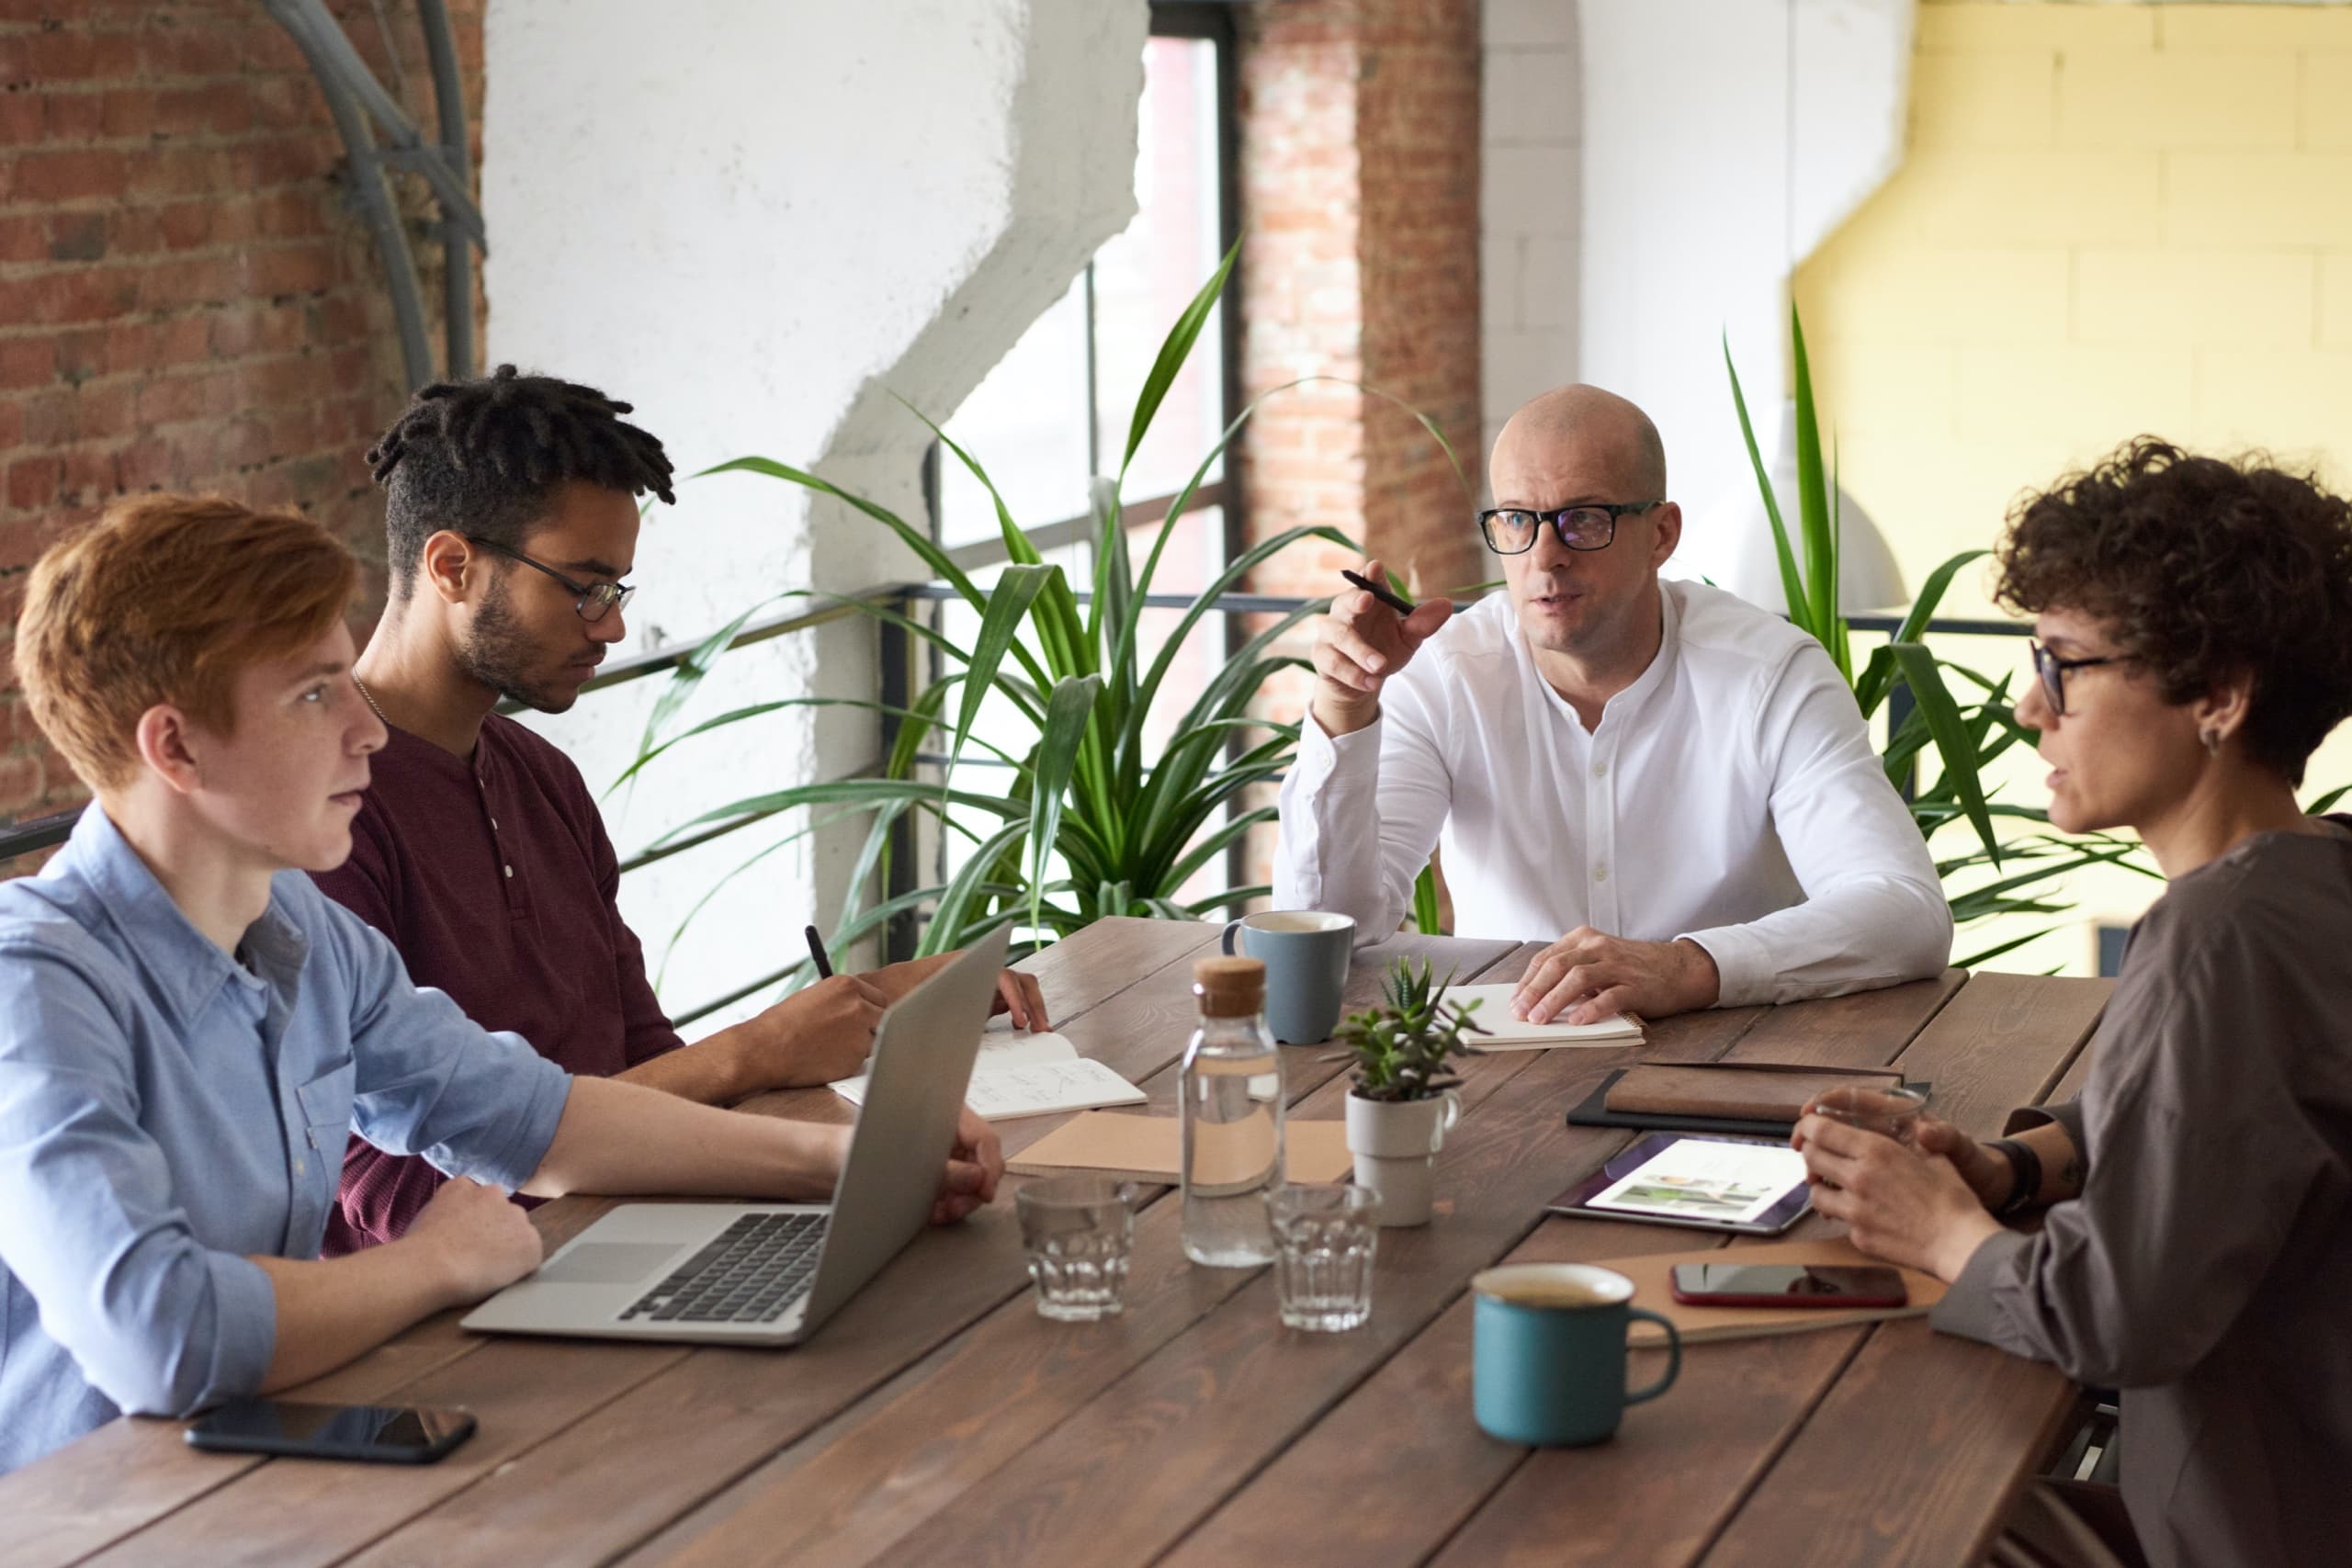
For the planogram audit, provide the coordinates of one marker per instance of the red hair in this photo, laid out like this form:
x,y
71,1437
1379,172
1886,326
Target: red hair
x,y
168,599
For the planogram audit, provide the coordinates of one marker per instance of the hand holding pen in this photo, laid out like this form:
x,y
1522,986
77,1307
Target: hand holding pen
x,y
1371,633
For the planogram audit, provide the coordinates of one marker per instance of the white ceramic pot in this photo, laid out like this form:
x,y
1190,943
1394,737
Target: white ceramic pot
x,y
1395,1145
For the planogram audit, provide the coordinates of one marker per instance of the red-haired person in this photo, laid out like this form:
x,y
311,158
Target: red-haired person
x,y
189,1029
2194,620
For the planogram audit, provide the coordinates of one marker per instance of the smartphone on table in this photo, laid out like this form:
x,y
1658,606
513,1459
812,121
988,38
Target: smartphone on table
x,y
384,1434
1788,1285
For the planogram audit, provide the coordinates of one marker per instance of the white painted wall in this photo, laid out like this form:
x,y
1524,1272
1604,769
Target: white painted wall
x,y
757,221
1716,142
1529,216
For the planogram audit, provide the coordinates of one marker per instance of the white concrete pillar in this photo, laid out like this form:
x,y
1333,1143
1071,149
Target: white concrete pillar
x,y
1716,142
757,221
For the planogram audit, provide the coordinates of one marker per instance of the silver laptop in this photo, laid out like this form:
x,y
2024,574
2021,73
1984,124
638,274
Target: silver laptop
x,y
770,1273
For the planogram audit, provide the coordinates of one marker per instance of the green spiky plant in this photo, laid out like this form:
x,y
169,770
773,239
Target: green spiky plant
x,y
1964,737
1400,1051
1081,821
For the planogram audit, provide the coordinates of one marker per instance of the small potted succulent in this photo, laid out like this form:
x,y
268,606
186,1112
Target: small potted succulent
x,y
1403,1100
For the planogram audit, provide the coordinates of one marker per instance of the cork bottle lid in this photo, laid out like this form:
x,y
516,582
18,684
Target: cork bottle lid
x,y
1231,987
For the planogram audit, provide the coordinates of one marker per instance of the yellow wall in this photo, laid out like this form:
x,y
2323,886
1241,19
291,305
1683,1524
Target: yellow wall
x,y
2111,219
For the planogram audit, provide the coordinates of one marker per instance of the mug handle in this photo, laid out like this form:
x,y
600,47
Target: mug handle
x,y
1445,1123
1673,1356
1227,941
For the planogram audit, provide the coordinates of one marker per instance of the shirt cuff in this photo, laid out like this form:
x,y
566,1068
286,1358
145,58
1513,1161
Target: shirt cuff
x,y
244,1305
1322,753
1743,970
1968,1309
2066,1113
527,1147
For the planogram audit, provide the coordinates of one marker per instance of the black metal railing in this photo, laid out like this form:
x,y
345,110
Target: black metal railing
x,y
897,665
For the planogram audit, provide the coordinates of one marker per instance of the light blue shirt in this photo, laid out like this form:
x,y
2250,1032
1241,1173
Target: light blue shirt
x,y
166,1112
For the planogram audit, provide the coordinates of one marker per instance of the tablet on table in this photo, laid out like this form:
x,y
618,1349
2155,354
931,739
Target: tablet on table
x,y
1750,1186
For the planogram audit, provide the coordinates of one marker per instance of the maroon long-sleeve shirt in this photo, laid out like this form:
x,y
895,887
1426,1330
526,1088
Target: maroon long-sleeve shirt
x,y
493,878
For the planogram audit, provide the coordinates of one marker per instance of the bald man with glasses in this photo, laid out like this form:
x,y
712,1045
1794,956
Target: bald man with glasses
x,y
1671,787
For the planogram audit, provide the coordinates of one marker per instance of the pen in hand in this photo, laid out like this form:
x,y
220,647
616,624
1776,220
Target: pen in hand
x,y
1395,602
817,955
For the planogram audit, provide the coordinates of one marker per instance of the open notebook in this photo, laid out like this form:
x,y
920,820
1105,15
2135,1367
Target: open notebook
x,y
1505,1033
1029,1074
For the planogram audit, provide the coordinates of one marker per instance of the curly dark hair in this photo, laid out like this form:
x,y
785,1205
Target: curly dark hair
x,y
483,457
2206,569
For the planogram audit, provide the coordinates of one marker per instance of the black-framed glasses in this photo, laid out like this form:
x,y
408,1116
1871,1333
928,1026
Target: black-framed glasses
x,y
2052,670
592,600
1511,530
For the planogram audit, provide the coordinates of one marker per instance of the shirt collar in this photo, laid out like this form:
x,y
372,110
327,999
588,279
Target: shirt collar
x,y
1625,704
184,967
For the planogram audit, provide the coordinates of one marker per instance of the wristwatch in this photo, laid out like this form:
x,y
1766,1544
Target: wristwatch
x,y
2025,1177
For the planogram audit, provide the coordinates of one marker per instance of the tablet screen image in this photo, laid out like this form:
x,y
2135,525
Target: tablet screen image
x,y
1751,1185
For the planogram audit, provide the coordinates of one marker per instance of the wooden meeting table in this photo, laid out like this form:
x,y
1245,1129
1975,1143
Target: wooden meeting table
x,y
939,1419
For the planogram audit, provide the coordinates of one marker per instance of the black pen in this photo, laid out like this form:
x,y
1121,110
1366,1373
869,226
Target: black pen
x,y
817,955
1402,605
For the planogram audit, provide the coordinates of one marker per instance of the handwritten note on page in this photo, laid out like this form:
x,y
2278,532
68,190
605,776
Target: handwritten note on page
x,y
1029,1074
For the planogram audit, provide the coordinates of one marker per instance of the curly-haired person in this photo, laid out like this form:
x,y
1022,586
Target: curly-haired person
x,y
2194,624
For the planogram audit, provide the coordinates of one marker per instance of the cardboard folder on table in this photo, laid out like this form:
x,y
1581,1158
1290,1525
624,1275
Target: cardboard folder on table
x,y
1652,1277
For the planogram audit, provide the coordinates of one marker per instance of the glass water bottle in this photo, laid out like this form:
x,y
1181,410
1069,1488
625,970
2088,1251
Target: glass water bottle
x,y
1231,1092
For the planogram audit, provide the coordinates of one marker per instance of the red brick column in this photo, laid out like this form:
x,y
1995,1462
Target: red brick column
x,y
1359,157
188,298
1360,168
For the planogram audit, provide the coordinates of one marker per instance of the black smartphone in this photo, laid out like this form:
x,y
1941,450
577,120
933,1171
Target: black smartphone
x,y
383,1434
1787,1285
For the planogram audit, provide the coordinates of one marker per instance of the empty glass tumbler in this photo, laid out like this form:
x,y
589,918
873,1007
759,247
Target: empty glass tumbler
x,y
1076,1231
1324,1238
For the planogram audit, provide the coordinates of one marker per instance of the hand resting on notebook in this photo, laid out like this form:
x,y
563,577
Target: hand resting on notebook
x,y
1589,974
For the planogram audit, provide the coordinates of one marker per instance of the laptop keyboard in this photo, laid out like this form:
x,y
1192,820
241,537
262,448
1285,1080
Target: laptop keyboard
x,y
752,1272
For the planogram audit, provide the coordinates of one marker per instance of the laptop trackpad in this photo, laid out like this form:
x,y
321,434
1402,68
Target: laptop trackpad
x,y
606,1263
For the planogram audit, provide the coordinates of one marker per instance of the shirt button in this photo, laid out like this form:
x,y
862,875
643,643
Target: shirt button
x,y
493,824
509,870
1601,770
1600,873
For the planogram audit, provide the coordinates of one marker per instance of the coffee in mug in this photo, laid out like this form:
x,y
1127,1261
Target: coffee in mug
x,y
1548,1352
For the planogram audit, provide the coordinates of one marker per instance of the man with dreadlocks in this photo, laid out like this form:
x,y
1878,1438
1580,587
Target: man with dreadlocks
x,y
512,519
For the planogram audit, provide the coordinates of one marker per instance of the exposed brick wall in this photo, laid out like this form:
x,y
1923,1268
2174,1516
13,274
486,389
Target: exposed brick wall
x,y
1360,168
188,298
1361,178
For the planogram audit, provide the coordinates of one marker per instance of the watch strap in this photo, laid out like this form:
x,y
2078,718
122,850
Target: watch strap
x,y
2025,1177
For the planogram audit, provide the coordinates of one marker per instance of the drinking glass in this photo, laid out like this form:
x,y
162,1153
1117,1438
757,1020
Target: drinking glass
x,y
1894,1112
1324,1238
1077,1232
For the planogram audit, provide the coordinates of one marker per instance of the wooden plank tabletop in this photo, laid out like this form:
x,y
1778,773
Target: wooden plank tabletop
x,y
940,1418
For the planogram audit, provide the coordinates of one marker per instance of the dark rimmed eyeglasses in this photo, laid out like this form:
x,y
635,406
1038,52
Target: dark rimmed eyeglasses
x,y
2052,671
1511,530
591,600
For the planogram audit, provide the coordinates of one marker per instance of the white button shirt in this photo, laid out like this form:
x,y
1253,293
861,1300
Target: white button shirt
x,y
1729,795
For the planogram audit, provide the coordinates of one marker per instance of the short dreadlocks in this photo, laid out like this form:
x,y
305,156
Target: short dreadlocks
x,y
483,457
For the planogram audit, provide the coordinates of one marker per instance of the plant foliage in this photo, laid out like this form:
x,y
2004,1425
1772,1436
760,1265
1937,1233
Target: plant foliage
x,y
1400,1050
1078,818
2019,874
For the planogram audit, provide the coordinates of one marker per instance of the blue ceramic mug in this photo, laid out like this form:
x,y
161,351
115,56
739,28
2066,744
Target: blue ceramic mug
x,y
1305,953
1548,1367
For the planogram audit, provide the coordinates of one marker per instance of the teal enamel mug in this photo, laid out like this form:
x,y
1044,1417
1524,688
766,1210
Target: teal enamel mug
x,y
1548,1357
